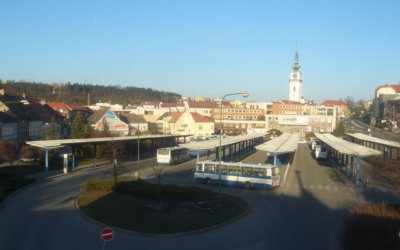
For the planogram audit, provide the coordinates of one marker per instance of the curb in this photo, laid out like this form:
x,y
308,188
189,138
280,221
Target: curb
x,y
201,230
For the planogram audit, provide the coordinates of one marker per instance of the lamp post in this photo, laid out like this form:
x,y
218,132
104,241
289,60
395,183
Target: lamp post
x,y
138,146
244,94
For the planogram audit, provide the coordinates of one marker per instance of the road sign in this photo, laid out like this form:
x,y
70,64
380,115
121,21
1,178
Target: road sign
x,y
107,234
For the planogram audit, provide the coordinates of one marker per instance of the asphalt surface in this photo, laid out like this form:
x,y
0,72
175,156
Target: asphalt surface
x,y
305,213
361,127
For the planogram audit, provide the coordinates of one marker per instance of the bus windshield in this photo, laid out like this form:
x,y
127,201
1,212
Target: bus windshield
x,y
163,151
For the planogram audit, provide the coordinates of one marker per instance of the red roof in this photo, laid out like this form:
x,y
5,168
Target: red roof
x,y
333,103
150,103
171,104
196,116
58,106
175,116
199,118
67,106
396,87
207,105
290,102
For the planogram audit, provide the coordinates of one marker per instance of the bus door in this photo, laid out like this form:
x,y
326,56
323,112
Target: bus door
x,y
275,177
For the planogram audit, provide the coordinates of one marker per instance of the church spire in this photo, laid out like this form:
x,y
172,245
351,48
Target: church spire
x,y
296,65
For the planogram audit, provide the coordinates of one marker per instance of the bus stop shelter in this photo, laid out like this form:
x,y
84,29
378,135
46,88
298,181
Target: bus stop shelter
x,y
388,148
344,152
47,145
236,145
285,143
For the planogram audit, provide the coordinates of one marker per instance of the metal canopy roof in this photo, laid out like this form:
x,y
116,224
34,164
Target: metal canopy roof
x,y
70,142
346,147
238,164
285,143
210,144
375,140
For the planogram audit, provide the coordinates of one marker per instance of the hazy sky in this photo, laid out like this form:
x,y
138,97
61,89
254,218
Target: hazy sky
x,y
206,48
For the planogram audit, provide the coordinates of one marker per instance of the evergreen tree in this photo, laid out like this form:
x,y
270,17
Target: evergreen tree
x,y
79,129
340,130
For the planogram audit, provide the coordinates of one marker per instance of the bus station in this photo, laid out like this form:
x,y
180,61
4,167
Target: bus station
x,y
345,153
285,143
47,145
389,149
237,146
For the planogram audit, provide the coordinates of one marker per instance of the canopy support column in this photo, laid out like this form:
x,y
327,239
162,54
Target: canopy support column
x,y
46,161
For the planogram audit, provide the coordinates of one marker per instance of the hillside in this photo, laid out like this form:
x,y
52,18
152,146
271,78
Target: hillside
x,y
77,92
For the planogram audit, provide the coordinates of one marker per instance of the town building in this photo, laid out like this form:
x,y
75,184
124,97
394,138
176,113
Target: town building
x,y
107,119
34,117
181,123
9,128
136,122
342,109
69,109
385,112
204,108
237,121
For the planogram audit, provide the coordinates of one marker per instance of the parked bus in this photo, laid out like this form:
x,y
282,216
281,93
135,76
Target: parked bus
x,y
172,156
321,152
237,174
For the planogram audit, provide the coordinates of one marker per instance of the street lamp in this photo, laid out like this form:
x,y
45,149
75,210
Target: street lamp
x,y
244,94
138,146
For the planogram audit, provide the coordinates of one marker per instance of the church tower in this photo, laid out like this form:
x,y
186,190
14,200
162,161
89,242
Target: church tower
x,y
295,82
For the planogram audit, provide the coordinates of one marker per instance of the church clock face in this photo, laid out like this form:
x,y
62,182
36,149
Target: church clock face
x,y
294,76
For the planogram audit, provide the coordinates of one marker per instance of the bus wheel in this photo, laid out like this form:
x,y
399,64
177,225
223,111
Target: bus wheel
x,y
208,181
247,185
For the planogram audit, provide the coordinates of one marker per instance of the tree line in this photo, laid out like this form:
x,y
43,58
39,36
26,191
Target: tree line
x,y
84,93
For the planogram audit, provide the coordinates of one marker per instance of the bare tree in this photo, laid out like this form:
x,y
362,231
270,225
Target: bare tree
x,y
349,100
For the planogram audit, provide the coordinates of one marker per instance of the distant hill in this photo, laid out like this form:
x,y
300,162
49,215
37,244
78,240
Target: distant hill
x,y
77,92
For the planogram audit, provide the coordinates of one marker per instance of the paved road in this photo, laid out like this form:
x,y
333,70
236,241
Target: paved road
x,y
305,213
361,127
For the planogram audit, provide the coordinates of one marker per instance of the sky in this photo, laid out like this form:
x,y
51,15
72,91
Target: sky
x,y
205,48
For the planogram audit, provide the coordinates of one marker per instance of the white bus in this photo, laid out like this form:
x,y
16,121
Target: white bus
x,y
237,174
172,156
321,152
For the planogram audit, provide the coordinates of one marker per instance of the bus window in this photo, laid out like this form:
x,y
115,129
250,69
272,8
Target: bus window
x,y
260,172
163,151
199,167
234,170
209,167
247,171
224,169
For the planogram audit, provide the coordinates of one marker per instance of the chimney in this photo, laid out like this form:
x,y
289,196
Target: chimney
x,y
1,91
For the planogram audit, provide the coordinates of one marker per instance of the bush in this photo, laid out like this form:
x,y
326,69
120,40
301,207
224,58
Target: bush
x,y
147,190
373,226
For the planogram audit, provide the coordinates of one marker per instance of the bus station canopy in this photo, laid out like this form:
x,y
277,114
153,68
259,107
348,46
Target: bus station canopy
x,y
214,143
346,147
285,143
72,142
375,140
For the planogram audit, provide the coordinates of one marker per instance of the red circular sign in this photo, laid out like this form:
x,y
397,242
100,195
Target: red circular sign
x,y
107,234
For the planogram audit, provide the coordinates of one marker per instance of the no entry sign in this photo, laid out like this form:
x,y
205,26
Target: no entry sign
x,y
107,234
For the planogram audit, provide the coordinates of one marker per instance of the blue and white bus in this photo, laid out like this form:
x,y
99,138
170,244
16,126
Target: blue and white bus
x,y
172,156
237,174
